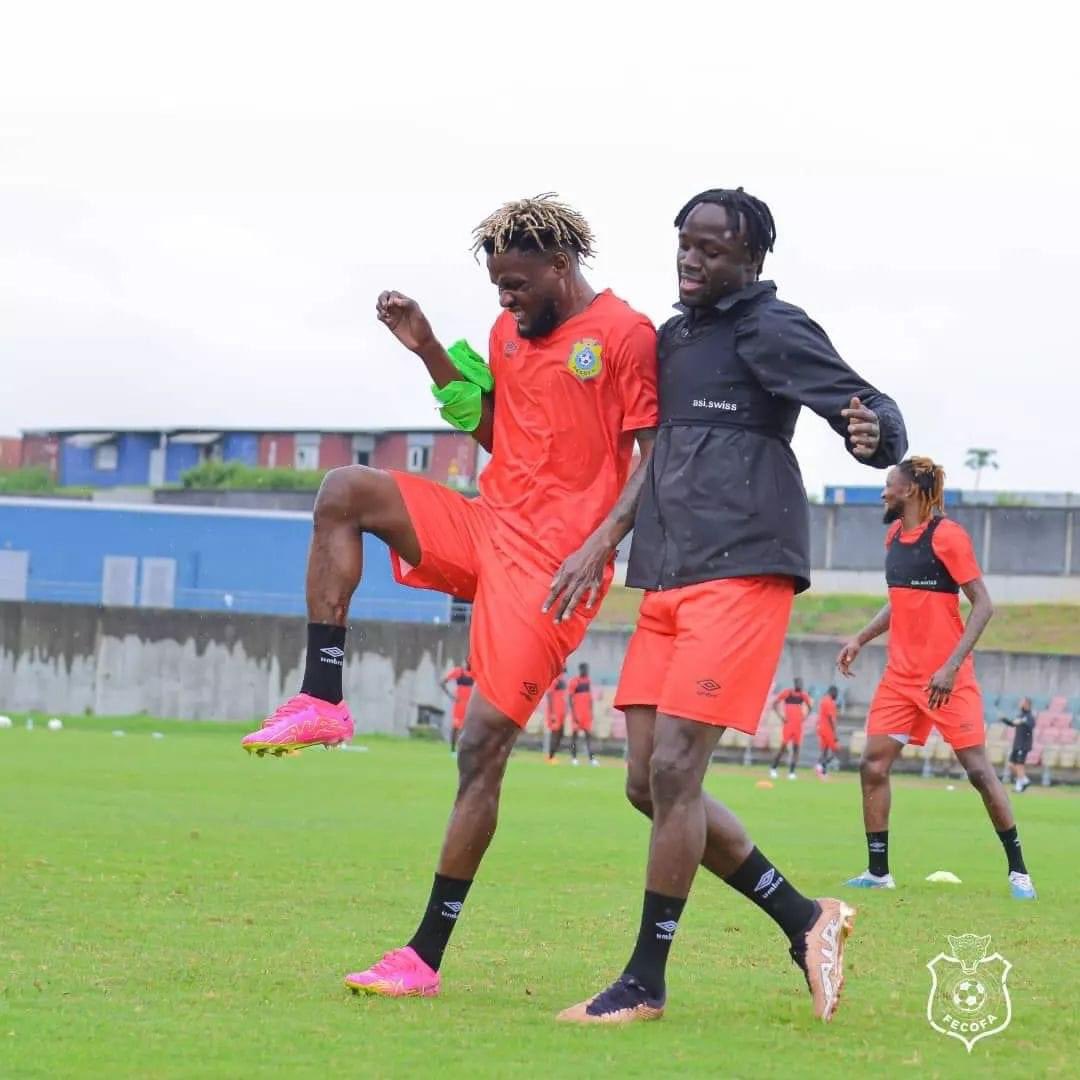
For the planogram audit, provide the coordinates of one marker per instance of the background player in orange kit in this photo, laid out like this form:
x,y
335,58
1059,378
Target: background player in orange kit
x,y
463,680
581,713
929,679
826,731
555,714
792,706
570,390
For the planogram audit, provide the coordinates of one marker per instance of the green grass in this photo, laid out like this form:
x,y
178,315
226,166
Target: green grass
x,y
171,908
1044,628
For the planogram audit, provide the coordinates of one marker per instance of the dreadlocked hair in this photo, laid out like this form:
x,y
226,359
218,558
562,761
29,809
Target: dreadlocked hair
x,y
929,479
538,224
754,218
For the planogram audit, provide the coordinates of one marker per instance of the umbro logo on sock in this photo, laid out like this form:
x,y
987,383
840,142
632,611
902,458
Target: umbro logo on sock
x,y
768,883
667,929
332,655
451,909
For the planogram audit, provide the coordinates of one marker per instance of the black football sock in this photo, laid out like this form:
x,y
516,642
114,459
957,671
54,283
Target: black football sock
x,y
433,934
760,882
659,920
325,662
588,746
877,847
1010,841
573,747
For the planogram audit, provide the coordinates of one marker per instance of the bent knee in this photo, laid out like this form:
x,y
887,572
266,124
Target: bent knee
x,y
981,778
351,493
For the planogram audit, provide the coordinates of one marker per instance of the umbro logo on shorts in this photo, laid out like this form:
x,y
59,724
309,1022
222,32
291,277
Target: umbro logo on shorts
x,y
332,655
529,690
708,687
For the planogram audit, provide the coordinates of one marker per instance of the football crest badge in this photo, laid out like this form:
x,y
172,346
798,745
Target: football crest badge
x,y
968,996
586,358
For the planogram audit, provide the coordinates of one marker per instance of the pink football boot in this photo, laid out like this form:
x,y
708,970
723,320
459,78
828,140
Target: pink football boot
x,y
400,973
301,722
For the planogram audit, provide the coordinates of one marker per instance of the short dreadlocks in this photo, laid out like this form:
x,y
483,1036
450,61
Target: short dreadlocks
x,y
538,224
754,217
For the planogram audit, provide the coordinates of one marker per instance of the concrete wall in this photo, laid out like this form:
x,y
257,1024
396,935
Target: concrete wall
x,y
211,666
113,662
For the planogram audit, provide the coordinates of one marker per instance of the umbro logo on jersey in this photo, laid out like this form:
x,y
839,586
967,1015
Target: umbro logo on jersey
x,y
667,930
451,909
510,348
708,687
332,655
529,690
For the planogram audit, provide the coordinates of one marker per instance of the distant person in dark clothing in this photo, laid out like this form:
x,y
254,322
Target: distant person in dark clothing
x,y
1024,727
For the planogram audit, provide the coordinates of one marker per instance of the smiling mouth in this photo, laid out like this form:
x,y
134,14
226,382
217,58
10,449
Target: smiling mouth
x,y
687,282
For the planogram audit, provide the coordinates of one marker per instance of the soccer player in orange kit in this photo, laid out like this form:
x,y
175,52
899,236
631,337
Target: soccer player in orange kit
x,y
929,679
792,706
555,715
826,731
571,388
463,680
581,713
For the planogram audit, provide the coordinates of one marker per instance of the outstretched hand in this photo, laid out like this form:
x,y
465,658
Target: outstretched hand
x,y
864,430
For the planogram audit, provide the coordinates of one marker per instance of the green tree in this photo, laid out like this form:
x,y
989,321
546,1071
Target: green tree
x,y
978,459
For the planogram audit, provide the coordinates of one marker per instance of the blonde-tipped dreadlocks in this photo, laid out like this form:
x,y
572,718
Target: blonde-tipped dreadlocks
x,y
539,224
930,481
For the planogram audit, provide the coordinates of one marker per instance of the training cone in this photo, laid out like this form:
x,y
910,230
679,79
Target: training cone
x,y
944,876
764,784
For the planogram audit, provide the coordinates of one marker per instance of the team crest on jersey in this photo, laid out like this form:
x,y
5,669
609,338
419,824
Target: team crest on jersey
x,y
586,358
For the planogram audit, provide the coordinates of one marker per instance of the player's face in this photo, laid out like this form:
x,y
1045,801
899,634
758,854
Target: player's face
x,y
713,258
896,491
530,285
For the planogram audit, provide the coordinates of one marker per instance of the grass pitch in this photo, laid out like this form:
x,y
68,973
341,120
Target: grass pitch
x,y
171,908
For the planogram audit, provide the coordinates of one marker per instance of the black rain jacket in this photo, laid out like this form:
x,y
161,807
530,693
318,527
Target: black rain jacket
x,y
723,497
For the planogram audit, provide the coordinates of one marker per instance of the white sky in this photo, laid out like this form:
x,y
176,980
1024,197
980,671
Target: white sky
x,y
199,205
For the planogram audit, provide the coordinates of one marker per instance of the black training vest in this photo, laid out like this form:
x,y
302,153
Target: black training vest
x,y
794,699
465,680
915,566
583,687
704,382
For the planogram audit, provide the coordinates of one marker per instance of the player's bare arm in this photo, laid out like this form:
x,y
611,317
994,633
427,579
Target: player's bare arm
x,y
406,320
582,573
877,626
941,682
